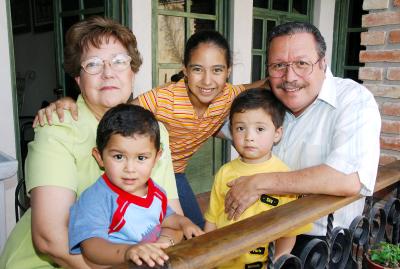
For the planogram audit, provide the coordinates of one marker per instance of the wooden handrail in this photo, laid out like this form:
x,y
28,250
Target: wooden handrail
x,y
222,245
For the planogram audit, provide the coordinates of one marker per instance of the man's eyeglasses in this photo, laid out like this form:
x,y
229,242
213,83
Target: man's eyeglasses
x,y
301,68
95,65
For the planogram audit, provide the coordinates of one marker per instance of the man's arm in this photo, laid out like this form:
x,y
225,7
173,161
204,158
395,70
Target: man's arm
x,y
50,214
320,179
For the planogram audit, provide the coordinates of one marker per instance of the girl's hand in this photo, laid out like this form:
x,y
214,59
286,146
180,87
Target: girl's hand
x,y
190,229
65,103
150,253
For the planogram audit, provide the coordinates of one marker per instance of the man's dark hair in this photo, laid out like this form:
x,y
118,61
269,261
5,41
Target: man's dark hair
x,y
259,98
127,120
291,28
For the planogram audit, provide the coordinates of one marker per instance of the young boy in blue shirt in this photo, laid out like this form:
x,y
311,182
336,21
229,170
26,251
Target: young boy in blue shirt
x,y
119,218
256,119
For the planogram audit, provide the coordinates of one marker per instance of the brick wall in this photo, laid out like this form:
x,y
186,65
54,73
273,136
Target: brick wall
x,y
381,74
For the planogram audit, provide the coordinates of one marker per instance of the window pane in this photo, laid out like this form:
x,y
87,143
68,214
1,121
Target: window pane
x,y
257,33
355,13
67,5
171,39
256,68
270,25
203,7
93,3
164,74
353,49
353,74
178,5
67,22
282,5
197,25
300,6
260,3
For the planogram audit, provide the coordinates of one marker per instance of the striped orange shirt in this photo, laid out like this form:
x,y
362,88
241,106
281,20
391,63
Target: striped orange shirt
x,y
187,132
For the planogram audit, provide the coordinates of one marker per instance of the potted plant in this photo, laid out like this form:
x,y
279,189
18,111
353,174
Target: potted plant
x,y
384,255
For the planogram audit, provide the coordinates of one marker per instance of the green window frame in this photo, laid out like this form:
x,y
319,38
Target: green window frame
x,y
266,15
78,10
220,16
347,38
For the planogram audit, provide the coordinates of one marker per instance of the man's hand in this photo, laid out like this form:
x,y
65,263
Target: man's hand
x,y
65,103
150,253
242,195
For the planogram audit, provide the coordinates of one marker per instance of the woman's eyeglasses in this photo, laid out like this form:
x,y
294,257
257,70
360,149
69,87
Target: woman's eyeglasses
x,y
95,65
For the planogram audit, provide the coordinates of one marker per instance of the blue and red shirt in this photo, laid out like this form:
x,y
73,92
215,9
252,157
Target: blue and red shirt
x,y
105,211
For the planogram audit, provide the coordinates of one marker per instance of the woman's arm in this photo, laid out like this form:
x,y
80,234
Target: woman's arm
x,y
50,214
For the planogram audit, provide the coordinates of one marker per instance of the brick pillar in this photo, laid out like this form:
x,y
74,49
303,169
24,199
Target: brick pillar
x,y
381,74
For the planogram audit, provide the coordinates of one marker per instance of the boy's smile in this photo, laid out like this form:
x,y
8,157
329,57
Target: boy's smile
x,y
254,134
128,162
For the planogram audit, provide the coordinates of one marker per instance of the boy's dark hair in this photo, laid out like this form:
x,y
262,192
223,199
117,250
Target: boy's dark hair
x,y
259,98
127,120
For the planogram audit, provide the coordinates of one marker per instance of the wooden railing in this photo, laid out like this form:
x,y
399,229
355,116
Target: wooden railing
x,y
222,245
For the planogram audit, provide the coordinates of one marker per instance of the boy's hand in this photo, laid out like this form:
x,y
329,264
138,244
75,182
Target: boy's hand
x,y
190,229
150,253
58,106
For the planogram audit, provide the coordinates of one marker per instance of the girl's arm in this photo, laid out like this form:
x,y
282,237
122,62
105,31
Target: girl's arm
x,y
50,214
284,245
262,83
208,227
178,222
65,103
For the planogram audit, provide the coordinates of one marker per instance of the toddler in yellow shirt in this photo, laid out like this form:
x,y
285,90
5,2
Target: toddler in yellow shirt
x,y
256,119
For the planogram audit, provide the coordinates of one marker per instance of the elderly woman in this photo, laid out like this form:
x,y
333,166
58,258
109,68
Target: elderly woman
x,y
103,58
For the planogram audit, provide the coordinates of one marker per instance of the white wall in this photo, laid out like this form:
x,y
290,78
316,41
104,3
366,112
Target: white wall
x,y
7,137
324,17
241,40
141,27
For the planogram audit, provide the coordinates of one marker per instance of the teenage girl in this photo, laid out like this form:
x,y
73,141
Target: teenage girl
x,y
192,109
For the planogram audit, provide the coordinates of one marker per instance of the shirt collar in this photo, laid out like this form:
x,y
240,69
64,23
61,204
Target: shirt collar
x,y
328,91
327,95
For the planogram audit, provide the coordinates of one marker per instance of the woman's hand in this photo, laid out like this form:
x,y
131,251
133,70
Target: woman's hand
x,y
242,195
150,253
65,103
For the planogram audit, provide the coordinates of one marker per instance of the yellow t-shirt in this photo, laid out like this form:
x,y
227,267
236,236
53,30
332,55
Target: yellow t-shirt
x,y
61,155
216,214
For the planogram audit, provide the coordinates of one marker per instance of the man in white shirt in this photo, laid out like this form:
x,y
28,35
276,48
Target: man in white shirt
x,y
331,130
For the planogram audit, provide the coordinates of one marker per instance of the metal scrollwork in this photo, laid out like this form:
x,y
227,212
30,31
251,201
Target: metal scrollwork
x,y
315,254
392,209
288,261
359,230
339,248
